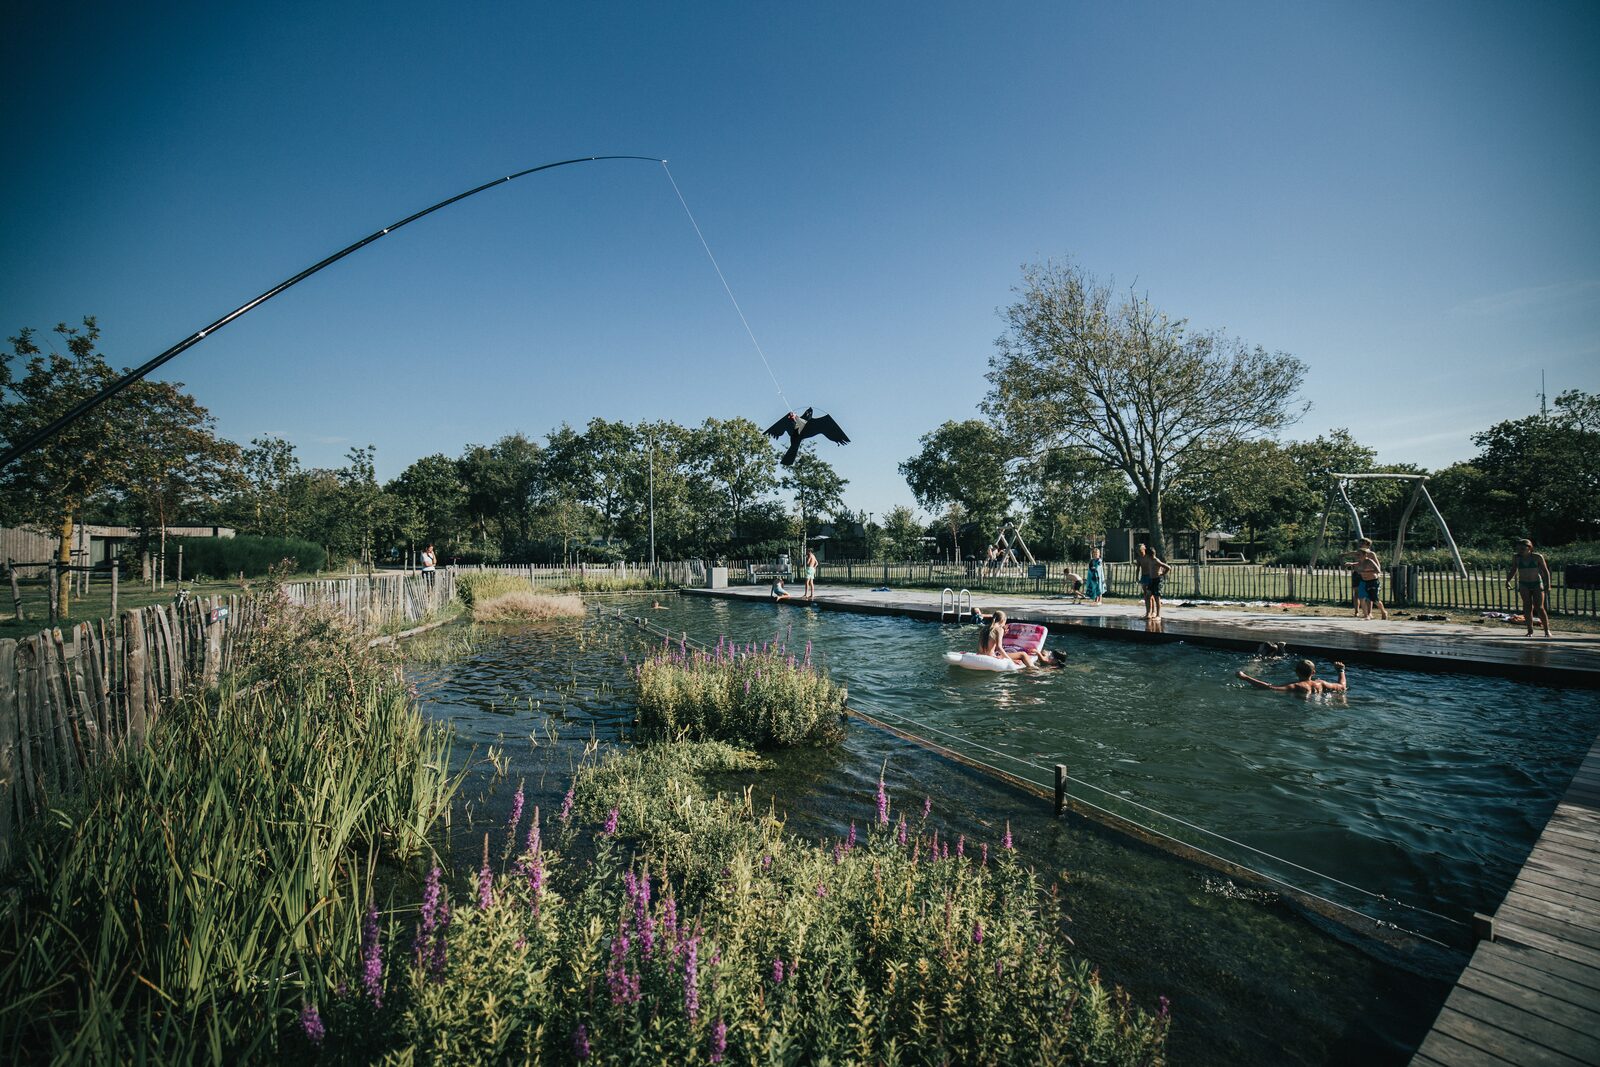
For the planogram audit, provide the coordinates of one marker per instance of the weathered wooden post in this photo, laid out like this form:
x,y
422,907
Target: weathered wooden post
x,y
1061,788
180,564
1290,571
50,575
16,594
113,589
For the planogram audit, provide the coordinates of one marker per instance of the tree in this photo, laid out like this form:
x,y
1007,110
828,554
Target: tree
x,y
1544,473
1118,377
51,483
272,477
817,487
962,464
1072,499
903,533
432,499
174,459
736,461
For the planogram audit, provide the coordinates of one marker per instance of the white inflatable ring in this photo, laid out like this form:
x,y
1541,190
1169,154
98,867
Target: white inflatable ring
x,y
974,662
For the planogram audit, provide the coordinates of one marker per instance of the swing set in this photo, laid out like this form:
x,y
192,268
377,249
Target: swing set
x,y
1419,492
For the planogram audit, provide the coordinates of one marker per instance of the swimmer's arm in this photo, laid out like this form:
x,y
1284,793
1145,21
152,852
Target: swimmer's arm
x,y
1259,684
1340,686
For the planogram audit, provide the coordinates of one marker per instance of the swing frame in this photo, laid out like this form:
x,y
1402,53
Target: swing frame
x,y
1419,492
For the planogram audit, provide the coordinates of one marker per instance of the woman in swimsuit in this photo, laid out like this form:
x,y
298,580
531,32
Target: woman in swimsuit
x,y
1532,574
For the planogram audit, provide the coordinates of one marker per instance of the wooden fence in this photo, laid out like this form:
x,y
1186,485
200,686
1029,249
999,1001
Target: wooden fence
x,y
1409,587
71,698
673,572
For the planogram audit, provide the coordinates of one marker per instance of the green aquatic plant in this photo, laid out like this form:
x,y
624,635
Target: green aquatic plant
x,y
176,909
473,587
692,927
758,695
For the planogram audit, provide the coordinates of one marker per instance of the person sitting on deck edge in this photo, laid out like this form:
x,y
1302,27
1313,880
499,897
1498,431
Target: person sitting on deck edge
x,y
778,591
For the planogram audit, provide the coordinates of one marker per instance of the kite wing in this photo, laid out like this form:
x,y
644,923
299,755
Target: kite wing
x,y
782,426
824,425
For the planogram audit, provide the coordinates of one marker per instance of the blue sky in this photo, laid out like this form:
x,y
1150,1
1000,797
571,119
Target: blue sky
x,y
1401,195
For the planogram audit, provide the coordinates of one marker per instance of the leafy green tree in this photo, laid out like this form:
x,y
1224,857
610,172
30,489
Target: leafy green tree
x,y
737,465
962,464
431,501
903,533
52,483
818,490
1072,498
1119,378
1544,473
268,502
505,483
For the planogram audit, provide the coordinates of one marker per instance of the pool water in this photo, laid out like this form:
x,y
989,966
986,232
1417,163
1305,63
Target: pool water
x,y
1425,787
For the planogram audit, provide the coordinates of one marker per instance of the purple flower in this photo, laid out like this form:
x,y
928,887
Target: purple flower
x,y
436,960
961,846
777,970
902,830
485,887
719,1041
850,842
883,805
516,819
611,823
535,879
669,919
580,1042
999,969
431,890
1005,842
766,861
977,932
624,986
691,976
533,843
372,958
566,805
985,860
822,888
311,1024
927,806
1162,1014
838,853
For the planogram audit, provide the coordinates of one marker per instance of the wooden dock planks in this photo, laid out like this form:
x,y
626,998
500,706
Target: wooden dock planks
x,y
1532,995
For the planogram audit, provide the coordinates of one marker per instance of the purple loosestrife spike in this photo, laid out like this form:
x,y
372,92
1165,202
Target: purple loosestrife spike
x,y
611,823
747,687
719,1041
961,846
691,978
927,806
372,958
944,852
985,854
999,969
883,804
902,831
977,933
516,818
580,1042
777,970
436,964
838,854
1005,842
669,920
766,861
1166,1006
850,842
311,1024
430,913
533,844
566,805
822,888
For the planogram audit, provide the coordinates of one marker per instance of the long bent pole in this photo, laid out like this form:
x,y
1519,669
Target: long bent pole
x,y
39,437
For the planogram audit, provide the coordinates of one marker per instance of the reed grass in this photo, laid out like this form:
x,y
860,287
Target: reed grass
x,y
758,695
523,605
177,909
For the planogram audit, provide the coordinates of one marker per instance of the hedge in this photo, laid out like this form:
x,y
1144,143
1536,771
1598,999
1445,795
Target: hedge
x,y
225,557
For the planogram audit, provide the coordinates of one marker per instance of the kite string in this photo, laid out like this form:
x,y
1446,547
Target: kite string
x,y
725,286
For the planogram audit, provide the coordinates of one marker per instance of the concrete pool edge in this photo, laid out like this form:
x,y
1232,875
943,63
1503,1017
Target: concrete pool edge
x,y
1574,661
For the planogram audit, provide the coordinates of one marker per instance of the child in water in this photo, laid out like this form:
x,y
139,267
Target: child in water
x,y
1307,682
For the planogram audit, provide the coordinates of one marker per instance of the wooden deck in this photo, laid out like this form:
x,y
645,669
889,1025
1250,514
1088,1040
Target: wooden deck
x,y
1532,995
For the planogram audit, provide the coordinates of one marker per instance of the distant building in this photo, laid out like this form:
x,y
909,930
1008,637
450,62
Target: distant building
x,y
102,544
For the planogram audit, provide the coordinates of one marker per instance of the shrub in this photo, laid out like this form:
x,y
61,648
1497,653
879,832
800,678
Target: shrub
x,y
715,936
224,557
756,695
177,908
473,586
523,605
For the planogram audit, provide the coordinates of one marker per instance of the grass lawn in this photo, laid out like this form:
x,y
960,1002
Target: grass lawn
x,y
97,605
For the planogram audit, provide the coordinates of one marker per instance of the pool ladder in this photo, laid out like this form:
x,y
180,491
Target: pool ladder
x,y
954,600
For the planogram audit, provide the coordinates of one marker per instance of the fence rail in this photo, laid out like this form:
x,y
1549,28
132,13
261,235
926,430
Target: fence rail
x,y
73,697
674,572
1405,586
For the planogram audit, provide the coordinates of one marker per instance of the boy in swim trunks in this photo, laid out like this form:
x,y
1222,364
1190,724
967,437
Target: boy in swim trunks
x,y
1532,574
1306,682
811,574
1368,571
1151,571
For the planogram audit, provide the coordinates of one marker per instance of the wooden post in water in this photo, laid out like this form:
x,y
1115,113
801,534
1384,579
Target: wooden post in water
x,y
1061,788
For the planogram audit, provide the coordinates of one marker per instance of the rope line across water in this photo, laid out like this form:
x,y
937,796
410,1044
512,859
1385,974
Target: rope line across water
x,y
970,743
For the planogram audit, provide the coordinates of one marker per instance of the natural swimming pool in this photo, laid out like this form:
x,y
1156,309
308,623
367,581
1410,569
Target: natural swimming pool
x,y
1357,783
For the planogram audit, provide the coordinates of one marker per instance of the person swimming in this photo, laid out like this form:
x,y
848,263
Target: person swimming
x,y
1306,683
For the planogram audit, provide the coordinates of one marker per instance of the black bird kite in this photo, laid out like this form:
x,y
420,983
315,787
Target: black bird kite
x,y
800,427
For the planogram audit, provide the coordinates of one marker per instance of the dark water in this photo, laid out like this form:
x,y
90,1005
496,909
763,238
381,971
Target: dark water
x,y
1422,787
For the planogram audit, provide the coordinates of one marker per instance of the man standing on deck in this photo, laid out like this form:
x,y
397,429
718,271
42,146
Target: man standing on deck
x,y
1368,570
1532,574
1151,571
